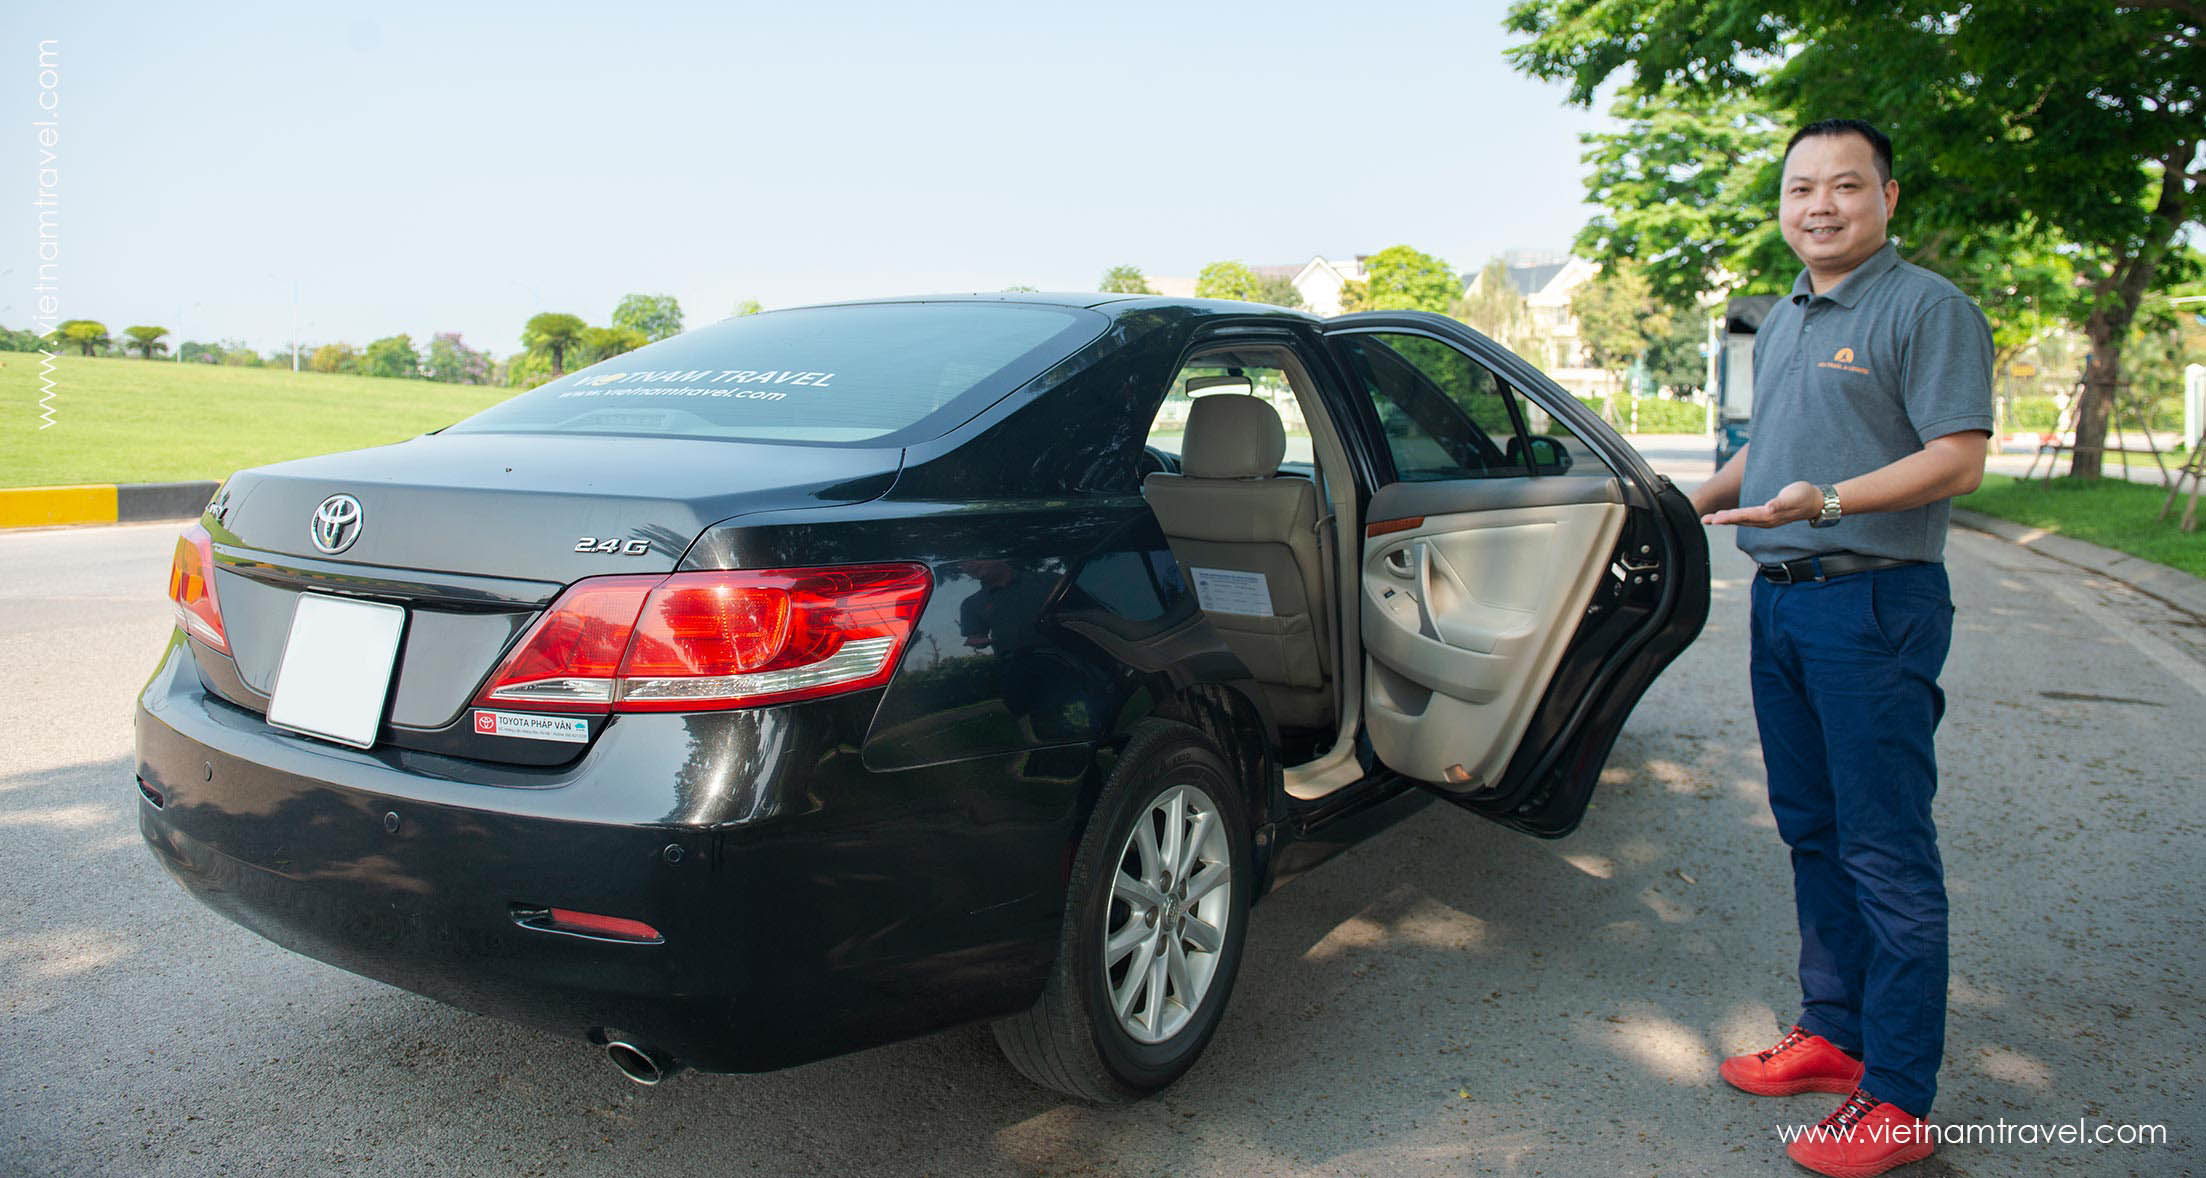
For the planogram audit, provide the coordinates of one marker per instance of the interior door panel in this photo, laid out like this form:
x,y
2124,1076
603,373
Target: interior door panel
x,y
1465,615
1524,574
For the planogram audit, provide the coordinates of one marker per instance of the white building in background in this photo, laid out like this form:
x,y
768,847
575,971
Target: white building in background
x,y
1318,281
1546,280
1552,341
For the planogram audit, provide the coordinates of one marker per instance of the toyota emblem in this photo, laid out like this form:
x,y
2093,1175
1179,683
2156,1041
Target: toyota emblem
x,y
336,524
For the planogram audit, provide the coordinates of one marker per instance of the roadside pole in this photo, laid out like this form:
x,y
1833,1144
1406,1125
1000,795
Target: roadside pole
x,y
2194,405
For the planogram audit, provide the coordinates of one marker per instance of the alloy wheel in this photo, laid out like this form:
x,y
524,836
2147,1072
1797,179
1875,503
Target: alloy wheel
x,y
1171,905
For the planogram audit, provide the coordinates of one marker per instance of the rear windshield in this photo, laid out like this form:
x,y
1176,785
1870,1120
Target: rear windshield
x,y
815,374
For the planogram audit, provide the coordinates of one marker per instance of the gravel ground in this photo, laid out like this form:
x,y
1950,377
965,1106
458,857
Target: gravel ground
x,y
1447,998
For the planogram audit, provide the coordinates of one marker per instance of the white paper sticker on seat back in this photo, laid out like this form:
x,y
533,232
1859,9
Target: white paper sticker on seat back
x,y
1228,591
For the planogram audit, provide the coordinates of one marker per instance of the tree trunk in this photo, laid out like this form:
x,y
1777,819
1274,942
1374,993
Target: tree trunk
x,y
2102,371
2114,308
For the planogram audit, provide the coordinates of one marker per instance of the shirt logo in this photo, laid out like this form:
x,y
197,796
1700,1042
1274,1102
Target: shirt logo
x,y
1843,360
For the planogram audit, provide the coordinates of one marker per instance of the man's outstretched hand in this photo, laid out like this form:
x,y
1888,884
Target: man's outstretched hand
x,y
1798,501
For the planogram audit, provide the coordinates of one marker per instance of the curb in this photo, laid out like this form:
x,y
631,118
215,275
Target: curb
x,y
102,503
2171,586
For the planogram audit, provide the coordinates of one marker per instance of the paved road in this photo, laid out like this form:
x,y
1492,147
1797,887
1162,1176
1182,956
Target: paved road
x,y
1448,998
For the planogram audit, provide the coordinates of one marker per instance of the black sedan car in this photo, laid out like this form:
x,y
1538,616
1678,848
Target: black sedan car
x,y
835,675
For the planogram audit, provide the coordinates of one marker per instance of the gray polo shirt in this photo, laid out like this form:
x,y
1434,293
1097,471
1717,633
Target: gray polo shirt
x,y
1856,378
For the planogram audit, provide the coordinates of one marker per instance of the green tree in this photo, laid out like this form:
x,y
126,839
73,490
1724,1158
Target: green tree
x,y
746,307
2095,143
146,339
1617,316
1493,306
2025,283
604,343
334,358
2169,337
1355,295
451,361
1399,278
1278,290
1688,191
654,317
1228,280
1125,280
1677,359
551,334
525,370
86,334
393,355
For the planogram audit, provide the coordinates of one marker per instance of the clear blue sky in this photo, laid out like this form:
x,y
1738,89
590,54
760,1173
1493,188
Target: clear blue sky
x,y
425,168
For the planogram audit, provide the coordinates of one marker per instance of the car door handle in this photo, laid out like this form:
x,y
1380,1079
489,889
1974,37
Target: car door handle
x,y
1421,569
1400,564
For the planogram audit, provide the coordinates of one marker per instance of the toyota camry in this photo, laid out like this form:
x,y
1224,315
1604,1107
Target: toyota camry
x,y
835,675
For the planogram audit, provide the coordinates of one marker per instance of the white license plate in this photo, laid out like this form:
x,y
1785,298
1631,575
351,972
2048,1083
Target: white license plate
x,y
337,668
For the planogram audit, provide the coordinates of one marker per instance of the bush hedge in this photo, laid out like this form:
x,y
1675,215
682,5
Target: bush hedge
x,y
1657,415
2025,415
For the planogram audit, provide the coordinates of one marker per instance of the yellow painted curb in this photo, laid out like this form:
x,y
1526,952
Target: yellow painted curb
x,y
33,507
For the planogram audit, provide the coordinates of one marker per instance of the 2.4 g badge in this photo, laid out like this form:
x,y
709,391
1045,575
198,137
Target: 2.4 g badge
x,y
613,545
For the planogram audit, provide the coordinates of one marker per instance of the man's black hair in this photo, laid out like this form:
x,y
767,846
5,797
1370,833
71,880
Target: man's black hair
x,y
1880,145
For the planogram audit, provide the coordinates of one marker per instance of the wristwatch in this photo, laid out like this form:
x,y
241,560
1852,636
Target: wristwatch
x,y
1829,518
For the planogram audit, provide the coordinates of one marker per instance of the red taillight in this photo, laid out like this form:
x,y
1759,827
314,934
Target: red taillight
x,y
567,660
713,640
714,626
191,587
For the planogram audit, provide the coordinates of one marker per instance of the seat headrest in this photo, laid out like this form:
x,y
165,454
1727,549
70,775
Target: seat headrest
x,y
1232,436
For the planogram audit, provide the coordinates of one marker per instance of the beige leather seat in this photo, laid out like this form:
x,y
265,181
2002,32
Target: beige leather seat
x,y
1247,543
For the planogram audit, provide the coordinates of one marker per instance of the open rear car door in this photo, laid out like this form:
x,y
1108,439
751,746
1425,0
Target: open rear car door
x,y
1524,574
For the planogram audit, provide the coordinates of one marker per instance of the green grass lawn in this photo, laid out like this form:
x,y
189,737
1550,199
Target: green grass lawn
x,y
2108,512
150,421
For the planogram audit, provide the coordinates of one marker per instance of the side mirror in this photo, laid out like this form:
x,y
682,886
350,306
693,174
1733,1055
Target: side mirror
x,y
1549,456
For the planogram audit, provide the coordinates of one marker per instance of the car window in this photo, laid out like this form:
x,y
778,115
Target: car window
x,y
1555,449
1167,433
813,374
1444,416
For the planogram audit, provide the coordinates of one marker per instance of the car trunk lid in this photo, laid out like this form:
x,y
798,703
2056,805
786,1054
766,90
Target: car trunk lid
x,y
475,534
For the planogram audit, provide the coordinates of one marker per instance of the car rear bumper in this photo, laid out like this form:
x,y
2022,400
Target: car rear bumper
x,y
797,922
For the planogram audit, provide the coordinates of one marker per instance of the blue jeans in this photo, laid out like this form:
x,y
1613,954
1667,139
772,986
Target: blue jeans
x,y
1846,696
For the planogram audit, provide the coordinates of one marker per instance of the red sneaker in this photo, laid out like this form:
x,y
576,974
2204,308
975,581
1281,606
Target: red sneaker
x,y
1800,1062
1865,1136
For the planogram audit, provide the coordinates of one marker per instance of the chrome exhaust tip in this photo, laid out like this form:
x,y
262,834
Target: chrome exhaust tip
x,y
641,1062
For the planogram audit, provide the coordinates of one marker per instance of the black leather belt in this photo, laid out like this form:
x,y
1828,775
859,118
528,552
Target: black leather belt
x,y
1828,565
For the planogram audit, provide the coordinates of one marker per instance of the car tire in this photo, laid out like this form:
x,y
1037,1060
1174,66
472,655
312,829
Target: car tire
x,y
1103,1031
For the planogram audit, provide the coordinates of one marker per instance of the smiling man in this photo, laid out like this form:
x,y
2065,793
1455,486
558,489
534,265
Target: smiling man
x,y
1872,405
